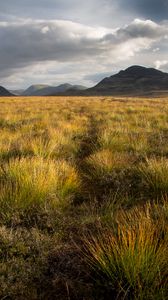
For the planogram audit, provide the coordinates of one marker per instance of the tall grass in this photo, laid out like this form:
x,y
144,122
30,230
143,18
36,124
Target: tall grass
x,y
154,173
34,182
130,261
108,171
70,165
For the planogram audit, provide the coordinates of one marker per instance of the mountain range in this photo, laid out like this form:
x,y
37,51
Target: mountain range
x,y
134,81
47,90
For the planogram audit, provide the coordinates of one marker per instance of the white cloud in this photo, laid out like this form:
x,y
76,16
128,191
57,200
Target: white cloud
x,y
160,63
42,47
156,49
45,29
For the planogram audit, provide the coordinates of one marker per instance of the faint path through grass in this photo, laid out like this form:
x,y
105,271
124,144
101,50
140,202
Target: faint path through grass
x,y
88,145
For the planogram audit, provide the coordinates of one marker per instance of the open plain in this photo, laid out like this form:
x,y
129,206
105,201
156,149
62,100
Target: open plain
x,y
84,198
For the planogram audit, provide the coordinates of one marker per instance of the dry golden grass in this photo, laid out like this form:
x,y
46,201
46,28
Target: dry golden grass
x,y
92,165
131,259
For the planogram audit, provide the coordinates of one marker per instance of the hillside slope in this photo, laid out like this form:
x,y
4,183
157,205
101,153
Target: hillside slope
x,y
30,91
135,80
4,92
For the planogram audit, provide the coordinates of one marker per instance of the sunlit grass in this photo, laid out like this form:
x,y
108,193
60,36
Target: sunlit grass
x,y
83,166
131,260
104,163
29,183
154,175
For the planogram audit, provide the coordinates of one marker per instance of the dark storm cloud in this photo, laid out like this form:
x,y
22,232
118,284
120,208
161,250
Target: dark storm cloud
x,y
27,42
86,12
157,9
32,8
98,12
93,12
32,41
152,9
103,40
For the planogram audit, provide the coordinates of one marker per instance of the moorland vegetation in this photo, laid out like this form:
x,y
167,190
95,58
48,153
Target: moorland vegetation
x,y
83,198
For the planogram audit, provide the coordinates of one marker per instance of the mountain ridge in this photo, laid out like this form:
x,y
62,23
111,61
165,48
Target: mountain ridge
x,y
47,90
134,81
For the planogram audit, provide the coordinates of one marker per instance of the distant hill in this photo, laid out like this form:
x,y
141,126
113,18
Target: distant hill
x,y
69,90
4,92
17,92
53,90
74,89
135,80
34,89
46,90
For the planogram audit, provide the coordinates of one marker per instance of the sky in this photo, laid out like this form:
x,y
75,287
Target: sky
x,y
79,42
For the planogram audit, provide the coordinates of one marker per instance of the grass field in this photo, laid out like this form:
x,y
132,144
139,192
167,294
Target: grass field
x,y
83,198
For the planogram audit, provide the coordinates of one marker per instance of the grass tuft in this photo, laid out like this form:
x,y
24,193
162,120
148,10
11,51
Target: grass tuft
x,y
30,183
154,173
131,261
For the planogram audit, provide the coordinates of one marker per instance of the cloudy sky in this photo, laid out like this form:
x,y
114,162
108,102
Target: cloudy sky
x,y
57,41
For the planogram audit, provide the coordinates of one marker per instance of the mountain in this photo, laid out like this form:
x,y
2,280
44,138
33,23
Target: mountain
x,y
17,92
134,81
67,90
53,90
33,89
4,92
46,90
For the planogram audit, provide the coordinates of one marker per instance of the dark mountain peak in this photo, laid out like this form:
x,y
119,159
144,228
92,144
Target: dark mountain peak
x,y
136,68
140,71
4,92
135,80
